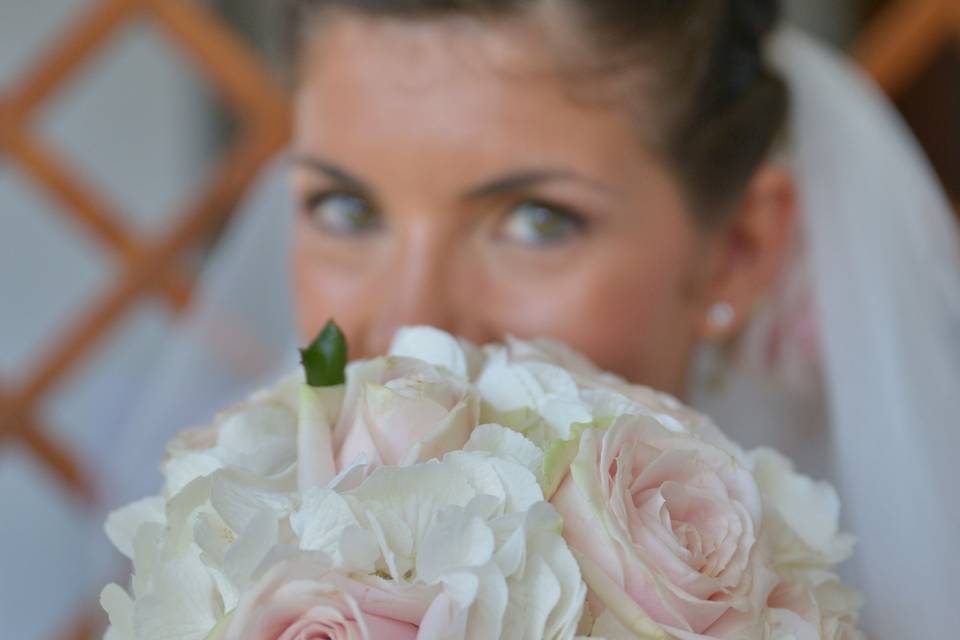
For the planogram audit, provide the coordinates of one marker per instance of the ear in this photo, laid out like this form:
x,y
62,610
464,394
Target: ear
x,y
749,251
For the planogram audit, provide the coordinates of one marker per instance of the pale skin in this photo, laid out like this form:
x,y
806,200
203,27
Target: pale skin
x,y
446,175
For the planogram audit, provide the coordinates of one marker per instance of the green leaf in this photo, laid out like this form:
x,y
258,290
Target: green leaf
x,y
325,360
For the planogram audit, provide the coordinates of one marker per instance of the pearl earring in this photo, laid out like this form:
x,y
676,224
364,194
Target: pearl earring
x,y
721,315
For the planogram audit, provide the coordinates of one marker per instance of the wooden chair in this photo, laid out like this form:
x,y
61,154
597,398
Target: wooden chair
x,y
903,40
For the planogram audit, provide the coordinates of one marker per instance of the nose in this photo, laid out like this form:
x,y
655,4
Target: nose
x,y
414,291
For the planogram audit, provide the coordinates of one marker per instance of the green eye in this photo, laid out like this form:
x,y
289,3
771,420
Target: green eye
x,y
540,225
343,214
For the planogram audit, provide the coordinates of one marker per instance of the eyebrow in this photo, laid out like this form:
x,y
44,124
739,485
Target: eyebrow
x,y
505,185
332,171
526,179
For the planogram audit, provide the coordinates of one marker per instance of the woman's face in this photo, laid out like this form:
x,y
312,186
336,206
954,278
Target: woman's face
x,y
446,174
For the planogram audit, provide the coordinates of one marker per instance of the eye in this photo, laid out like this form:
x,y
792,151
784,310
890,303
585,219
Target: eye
x,y
342,214
539,224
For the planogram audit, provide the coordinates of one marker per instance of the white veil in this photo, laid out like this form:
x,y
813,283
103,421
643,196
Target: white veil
x,y
879,259
879,267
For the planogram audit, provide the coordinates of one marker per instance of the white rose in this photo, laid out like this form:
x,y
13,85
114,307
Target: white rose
x,y
801,516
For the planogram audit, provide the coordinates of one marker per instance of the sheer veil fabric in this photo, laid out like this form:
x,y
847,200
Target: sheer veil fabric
x,y
879,271
869,308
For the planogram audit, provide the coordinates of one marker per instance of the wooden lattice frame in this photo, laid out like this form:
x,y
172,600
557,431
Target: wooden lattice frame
x,y
148,267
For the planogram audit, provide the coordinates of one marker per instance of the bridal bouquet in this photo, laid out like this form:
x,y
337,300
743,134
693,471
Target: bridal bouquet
x,y
448,491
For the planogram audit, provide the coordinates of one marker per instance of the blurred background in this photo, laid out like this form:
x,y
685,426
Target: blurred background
x,y
129,130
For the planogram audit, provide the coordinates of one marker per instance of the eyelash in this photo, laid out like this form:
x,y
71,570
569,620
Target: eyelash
x,y
570,221
315,200
578,223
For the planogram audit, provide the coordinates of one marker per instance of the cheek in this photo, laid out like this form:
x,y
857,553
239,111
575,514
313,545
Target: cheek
x,y
325,288
627,308
646,335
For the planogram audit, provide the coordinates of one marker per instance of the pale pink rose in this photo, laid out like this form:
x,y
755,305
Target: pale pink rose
x,y
304,599
402,411
671,522
392,411
805,612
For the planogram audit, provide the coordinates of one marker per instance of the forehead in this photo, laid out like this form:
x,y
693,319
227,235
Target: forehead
x,y
452,84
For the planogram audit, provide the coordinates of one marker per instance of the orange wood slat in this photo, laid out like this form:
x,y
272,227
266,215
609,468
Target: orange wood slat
x,y
88,624
226,61
71,50
92,213
78,202
90,620
85,627
237,171
59,462
55,459
903,39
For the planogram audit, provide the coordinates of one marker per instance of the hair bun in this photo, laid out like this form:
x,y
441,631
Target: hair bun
x,y
754,19
738,61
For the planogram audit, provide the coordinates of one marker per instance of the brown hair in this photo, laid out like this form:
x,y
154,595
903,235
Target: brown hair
x,y
722,107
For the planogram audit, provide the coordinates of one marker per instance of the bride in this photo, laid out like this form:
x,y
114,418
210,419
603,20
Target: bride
x,y
694,199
